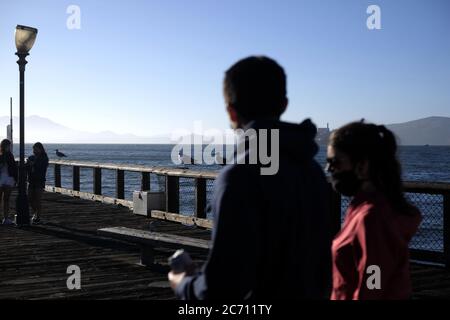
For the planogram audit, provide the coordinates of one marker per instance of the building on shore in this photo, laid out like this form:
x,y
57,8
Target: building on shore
x,y
323,135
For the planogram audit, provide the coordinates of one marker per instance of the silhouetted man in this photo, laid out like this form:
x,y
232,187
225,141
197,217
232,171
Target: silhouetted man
x,y
271,237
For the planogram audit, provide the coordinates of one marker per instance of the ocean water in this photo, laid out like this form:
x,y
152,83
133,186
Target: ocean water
x,y
419,163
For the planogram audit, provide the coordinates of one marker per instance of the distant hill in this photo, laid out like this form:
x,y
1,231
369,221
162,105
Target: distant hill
x,y
47,131
431,131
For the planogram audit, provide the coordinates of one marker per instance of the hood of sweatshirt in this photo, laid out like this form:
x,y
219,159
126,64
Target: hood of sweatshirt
x,y
296,141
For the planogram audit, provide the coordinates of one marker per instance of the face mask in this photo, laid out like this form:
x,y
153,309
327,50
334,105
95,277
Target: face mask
x,y
346,183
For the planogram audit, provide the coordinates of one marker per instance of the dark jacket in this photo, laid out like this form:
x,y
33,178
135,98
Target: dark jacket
x,y
8,158
37,170
271,235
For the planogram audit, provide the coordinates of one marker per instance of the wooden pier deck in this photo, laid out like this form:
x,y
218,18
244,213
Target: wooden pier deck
x,y
34,260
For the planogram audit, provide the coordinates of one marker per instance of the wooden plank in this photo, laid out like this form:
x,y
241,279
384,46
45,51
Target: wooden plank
x,y
153,238
425,190
426,187
176,217
90,196
426,255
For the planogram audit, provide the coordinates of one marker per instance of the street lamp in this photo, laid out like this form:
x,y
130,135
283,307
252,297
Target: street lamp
x,y
25,37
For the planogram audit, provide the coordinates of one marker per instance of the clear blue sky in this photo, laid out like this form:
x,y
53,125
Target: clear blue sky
x,y
148,67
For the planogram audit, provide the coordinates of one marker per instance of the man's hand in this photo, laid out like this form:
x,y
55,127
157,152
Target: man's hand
x,y
175,278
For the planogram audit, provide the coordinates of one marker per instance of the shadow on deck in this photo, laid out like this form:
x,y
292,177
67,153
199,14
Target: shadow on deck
x,y
34,260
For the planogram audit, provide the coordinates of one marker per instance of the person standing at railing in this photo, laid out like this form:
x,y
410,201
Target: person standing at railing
x,y
8,178
37,165
271,235
370,253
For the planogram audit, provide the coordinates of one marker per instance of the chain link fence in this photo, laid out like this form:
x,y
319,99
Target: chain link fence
x,y
430,235
209,195
187,196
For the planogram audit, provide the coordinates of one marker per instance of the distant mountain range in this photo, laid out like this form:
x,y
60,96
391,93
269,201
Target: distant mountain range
x,y
47,131
427,131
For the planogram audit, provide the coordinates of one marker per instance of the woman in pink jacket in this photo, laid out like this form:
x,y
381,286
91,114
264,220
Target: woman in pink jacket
x,y
370,253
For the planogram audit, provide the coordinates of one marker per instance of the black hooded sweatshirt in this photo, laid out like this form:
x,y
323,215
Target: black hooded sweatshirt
x,y
37,170
271,236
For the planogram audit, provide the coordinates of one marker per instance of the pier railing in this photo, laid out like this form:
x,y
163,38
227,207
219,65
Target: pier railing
x,y
188,191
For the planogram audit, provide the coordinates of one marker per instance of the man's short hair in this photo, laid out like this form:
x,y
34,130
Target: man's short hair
x,y
256,88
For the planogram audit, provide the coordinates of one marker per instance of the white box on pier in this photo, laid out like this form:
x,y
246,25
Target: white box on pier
x,y
146,201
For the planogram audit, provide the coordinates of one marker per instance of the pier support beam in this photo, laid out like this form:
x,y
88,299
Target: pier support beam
x,y
97,181
172,194
200,198
145,181
120,184
76,178
57,175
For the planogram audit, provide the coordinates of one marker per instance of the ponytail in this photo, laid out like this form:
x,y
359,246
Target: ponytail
x,y
388,140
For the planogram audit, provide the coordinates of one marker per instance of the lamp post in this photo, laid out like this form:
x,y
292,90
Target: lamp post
x,y
25,37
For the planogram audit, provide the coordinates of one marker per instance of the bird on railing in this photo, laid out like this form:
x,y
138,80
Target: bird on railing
x,y
60,154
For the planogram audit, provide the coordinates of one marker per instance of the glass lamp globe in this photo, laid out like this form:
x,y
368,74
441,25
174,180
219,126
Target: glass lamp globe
x,y
25,38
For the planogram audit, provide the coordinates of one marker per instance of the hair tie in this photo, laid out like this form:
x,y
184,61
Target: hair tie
x,y
381,131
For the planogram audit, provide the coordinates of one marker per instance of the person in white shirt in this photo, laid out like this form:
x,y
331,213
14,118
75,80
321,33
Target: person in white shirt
x,y
8,178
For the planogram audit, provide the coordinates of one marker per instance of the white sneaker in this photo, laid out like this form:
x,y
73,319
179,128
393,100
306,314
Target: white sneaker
x,y
7,222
